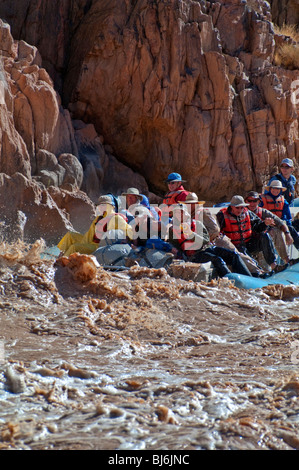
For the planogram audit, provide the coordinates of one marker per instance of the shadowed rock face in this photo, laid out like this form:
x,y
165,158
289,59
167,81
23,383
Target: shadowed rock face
x,y
45,157
285,11
187,86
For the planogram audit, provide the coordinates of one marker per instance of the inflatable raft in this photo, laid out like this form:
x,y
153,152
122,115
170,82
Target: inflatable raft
x,y
286,277
50,253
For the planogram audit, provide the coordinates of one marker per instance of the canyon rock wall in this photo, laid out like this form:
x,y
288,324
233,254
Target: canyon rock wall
x,y
52,169
99,95
188,86
285,12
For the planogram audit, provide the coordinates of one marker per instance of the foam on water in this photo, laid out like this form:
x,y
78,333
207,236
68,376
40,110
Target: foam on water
x,y
133,361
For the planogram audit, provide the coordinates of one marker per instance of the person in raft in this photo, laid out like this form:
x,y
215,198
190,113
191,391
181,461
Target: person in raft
x,y
198,211
106,219
191,238
176,191
278,229
287,179
247,231
273,200
130,201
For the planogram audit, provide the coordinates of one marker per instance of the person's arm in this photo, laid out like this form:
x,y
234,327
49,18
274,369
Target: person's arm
x,y
257,224
195,239
210,222
220,219
286,214
277,221
281,225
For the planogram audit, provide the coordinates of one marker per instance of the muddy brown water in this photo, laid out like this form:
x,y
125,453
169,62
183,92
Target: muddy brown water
x,y
139,360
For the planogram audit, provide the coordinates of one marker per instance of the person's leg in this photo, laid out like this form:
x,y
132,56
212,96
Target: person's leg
x,y
251,264
263,242
233,259
295,235
295,224
279,242
68,240
205,256
82,248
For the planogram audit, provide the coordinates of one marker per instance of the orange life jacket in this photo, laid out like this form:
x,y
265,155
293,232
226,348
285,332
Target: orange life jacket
x,y
238,229
273,205
174,197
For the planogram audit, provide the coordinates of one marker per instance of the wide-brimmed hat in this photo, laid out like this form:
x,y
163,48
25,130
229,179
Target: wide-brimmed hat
x,y
276,184
174,177
133,192
253,195
105,199
193,199
238,201
287,161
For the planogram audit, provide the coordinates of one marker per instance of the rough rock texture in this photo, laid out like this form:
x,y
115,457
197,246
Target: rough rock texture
x,y
285,11
28,211
175,85
43,153
187,86
34,128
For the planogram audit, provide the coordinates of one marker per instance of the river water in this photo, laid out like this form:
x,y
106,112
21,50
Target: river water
x,y
139,360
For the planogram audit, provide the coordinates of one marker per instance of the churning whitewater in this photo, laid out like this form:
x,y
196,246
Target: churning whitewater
x,y
141,360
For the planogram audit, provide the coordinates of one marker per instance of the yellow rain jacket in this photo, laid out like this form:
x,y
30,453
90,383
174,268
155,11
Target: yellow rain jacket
x,y
75,242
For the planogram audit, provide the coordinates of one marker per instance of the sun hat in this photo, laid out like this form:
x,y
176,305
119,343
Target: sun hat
x,y
105,200
287,161
238,201
276,184
174,177
253,194
133,192
193,199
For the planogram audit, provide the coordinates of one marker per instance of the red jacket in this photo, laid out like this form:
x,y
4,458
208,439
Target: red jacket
x,y
184,240
259,212
174,197
238,229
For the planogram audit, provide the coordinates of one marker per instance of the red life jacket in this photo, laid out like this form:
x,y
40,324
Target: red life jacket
x,y
237,229
273,205
159,212
259,212
174,197
183,240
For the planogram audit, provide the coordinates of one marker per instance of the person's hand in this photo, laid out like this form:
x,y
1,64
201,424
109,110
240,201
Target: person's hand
x,y
289,239
269,221
186,230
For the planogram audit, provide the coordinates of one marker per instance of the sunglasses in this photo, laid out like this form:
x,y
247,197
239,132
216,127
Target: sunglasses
x,y
285,166
252,200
